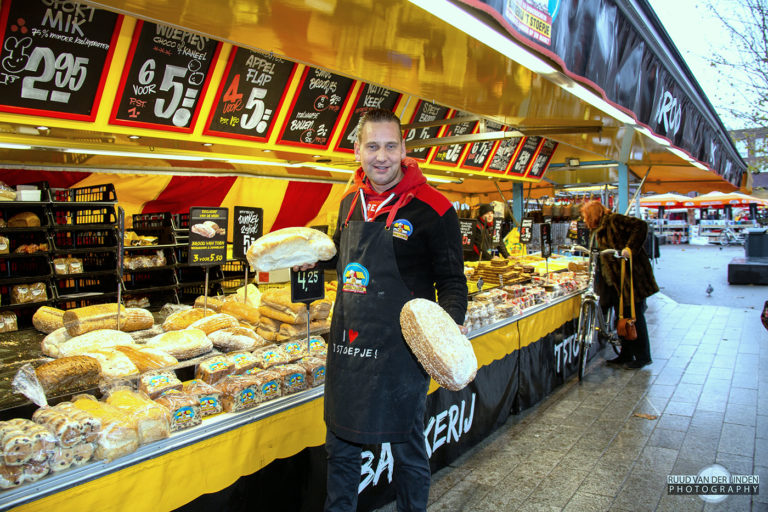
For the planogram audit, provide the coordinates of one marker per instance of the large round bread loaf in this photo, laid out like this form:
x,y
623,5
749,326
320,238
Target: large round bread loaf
x,y
438,344
290,247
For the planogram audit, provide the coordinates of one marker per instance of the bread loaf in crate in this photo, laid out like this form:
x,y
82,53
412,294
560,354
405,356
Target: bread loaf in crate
x,y
47,319
183,319
91,318
24,220
183,344
137,319
148,358
236,338
289,247
435,339
184,409
68,373
215,322
151,420
60,344
208,397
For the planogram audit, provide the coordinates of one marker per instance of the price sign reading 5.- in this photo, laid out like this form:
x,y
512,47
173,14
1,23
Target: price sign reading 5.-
x,y
307,285
183,86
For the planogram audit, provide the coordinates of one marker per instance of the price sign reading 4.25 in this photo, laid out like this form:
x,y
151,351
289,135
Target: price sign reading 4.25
x,y
54,57
307,285
167,78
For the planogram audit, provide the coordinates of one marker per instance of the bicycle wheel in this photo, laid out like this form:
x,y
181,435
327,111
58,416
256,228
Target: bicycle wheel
x,y
586,334
610,331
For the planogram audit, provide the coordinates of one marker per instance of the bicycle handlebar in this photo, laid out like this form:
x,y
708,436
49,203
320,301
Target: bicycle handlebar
x,y
615,253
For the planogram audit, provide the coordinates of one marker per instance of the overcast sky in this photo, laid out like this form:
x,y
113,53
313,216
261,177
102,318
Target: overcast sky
x,y
697,33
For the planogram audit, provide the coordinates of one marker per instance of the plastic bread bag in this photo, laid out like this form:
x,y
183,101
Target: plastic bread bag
x,y
295,350
239,392
208,397
184,409
70,425
315,368
26,383
151,420
213,369
24,442
270,355
157,382
242,361
118,435
317,347
294,377
268,382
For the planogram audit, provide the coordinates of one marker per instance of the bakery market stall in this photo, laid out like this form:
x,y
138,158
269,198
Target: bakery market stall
x,y
156,108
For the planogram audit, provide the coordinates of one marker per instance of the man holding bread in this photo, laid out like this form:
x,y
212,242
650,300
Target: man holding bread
x,y
398,239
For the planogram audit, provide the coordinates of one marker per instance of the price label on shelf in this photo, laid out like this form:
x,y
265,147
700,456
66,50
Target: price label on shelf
x,y
207,236
307,285
54,57
167,78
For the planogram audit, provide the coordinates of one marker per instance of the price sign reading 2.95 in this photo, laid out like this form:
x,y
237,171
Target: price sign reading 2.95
x,y
167,77
307,285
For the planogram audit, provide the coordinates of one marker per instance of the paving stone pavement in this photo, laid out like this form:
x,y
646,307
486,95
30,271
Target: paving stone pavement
x,y
707,388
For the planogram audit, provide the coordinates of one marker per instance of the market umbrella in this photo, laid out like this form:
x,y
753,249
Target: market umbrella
x,y
718,199
668,200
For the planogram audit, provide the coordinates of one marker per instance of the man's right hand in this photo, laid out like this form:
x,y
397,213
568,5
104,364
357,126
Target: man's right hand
x,y
297,268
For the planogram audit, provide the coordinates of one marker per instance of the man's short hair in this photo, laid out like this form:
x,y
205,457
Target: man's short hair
x,y
378,115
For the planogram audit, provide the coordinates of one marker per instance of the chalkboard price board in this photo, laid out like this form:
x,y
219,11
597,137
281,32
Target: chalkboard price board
x,y
478,153
207,235
316,109
248,226
465,228
369,98
546,239
307,285
525,155
167,78
425,112
54,57
543,157
250,96
504,155
452,153
526,232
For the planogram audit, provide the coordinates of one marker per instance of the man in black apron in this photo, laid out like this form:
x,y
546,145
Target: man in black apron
x,y
398,239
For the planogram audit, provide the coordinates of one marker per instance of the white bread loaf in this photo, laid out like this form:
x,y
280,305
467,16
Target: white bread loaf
x,y
236,338
60,344
435,339
182,344
289,247
114,364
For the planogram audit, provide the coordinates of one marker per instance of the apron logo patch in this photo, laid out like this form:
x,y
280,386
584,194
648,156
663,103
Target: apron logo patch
x,y
356,278
402,228
352,335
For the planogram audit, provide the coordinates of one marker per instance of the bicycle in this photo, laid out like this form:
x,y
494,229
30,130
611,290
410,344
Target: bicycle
x,y
593,325
729,237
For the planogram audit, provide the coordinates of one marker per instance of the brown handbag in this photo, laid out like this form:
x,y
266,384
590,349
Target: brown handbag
x,y
626,327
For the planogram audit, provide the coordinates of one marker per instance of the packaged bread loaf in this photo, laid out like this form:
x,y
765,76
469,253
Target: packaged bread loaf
x,y
137,319
208,397
47,319
183,408
317,347
5,245
10,476
270,355
435,339
236,338
68,373
214,369
29,292
239,392
242,361
241,311
268,382
183,344
277,304
214,323
289,247
268,328
8,322
70,425
209,303
91,318
155,383
315,368
148,358
117,437
60,344
34,471
24,220
23,441
6,193
294,350
114,364
151,420
293,377
183,319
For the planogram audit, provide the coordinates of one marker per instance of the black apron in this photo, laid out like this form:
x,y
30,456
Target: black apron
x,y
374,386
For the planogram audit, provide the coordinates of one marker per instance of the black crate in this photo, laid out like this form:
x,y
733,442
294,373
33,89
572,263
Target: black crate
x,y
8,210
17,239
155,224
233,268
141,279
75,284
188,294
190,274
98,261
79,216
181,220
94,194
98,239
66,303
157,298
27,266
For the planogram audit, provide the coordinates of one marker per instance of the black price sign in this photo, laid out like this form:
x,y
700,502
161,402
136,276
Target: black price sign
x,y
316,108
250,96
504,154
369,98
307,285
546,239
525,155
450,154
582,234
497,230
167,78
54,57
207,235
543,157
526,231
425,112
248,228
465,228
478,153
